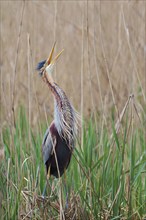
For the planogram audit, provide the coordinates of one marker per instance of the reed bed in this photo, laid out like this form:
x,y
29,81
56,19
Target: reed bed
x,y
102,71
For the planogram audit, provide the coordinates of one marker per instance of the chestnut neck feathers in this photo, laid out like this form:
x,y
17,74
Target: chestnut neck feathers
x,y
65,116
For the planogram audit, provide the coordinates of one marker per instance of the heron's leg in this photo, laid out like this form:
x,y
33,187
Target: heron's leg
x,y
48,177
66,192
37,176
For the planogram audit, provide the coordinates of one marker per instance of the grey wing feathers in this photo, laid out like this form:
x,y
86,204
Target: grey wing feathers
x,y
47,145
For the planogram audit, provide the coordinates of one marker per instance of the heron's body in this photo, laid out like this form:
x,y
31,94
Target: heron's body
x,y
59,139
63,153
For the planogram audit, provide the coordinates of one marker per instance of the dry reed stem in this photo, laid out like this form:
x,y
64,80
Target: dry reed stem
x,y
89,69
97,74
105,60
29,84
117,127
16,60
132,53
34,92
8,170
119,43
118,123
82,73
32,87
45,112
55,25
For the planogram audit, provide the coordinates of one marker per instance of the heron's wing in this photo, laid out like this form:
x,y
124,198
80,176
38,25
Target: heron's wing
x,y
47,145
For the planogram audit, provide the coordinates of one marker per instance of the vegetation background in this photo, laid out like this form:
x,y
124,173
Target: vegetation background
x,y
103,63
103,40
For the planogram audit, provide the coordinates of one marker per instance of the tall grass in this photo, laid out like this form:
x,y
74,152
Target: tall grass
x,y
105,179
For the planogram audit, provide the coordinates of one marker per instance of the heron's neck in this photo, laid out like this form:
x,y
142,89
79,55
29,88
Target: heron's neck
x,y
57,92
63,111
64,114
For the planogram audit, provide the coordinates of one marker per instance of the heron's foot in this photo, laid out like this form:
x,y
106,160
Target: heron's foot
x,y
48,177
42,196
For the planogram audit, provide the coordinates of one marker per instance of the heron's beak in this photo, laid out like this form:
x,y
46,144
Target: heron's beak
x,y
49,60
56,58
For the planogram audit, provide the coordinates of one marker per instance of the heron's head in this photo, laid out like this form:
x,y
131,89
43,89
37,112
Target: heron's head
x,y
47,66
